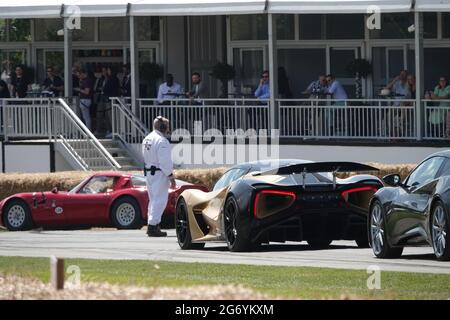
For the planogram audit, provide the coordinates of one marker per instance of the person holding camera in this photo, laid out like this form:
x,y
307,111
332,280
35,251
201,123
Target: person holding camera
x,y
263,90
158,169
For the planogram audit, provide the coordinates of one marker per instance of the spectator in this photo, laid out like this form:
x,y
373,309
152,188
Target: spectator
x,y
86,92
100,101
75,79
6,73
336,90
125,86
198,88
438,115
110,90
284,89
53,83
399,87
168,90
317,89
263,90
412,86
20,83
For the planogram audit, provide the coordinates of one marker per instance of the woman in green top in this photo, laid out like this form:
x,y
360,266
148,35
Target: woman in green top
x,y
439,114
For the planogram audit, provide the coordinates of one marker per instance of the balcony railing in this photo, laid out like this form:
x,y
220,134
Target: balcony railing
x,y
437,119
350,119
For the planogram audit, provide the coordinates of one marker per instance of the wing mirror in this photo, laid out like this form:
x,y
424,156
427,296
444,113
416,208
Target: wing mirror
x,y
393,180
55,190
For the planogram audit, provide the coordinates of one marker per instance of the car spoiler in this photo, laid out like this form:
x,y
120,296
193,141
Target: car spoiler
x,y
311,167
315,167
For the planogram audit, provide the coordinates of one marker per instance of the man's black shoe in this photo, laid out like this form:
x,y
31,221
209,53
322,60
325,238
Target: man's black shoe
x,y
155,231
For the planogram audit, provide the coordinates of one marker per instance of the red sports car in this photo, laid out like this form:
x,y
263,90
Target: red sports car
x,y
104,199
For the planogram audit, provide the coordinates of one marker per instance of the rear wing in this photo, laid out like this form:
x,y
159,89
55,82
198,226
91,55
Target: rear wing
x,y
316,167
312,167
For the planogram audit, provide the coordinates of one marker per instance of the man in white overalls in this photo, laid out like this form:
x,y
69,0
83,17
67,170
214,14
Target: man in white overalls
x,y
158,170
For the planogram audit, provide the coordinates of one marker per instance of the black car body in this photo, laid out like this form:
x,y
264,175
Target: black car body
x,y
279,200
413,212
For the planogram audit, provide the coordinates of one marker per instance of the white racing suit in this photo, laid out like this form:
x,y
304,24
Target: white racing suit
x,y
156,150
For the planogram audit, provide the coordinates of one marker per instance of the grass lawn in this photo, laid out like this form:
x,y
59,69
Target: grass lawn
x,y
287,282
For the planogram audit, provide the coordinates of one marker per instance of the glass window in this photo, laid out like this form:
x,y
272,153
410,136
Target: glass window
x,y
46,29
379,69
446,24
430,25
302,66
11,58
345,26
87,31
248,63
19,30
394,26
425,172
229,177
436,64
3,28
100,184
114,29
446,169
285,27
49,58
148,28
249,27
311,26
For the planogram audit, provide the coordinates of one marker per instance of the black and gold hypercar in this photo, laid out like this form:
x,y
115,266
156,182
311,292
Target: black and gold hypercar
x,y
278,200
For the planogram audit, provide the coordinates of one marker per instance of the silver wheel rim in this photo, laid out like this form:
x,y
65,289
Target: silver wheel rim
x,y
125,214
377,229
16,216
438,232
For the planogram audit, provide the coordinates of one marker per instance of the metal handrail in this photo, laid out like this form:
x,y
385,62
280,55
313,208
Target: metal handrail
x,y
131,117
88,134
128,128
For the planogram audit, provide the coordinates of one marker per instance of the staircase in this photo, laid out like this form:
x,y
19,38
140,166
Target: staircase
x,y
119,154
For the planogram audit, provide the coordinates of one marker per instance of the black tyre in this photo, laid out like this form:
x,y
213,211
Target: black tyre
x,y
319,243
378,237
126,213
182,227
440,229
236,229
17,216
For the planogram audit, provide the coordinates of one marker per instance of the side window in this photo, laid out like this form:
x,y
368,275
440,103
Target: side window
x,y
228,178
99,184
425,172
446,169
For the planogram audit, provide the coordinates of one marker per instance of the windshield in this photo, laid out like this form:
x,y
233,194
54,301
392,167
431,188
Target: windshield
x,y
78,186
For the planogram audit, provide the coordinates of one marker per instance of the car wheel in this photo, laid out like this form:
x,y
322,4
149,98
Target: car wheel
x,y
235,233
126,214
439,232
378,236
319,243
182,227
17,216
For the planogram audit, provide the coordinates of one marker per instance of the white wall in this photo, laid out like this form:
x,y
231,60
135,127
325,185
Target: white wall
x,y
61,163
382,154
1,157
27,158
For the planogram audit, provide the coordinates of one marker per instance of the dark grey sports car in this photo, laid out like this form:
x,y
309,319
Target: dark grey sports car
x,y
413,212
